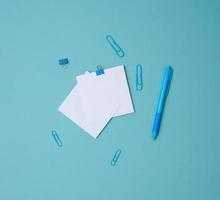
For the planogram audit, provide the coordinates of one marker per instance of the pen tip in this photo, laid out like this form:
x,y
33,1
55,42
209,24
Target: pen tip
x,y
154,135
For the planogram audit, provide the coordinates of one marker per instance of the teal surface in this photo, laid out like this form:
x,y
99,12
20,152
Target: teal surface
x,y
183,163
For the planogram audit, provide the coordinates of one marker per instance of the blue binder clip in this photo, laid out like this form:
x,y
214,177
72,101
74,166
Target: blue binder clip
x,y
64,62
116,157
139,78
99,70
115,46
57,138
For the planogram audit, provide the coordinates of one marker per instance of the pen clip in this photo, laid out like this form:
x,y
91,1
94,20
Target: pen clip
x,y
169,81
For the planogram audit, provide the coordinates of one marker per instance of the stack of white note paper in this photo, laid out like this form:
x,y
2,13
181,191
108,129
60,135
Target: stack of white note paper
x,y
96,99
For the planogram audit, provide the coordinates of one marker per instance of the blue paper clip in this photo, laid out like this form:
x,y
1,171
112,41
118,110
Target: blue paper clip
x,y
115,46
64,62
99,70
57,138
116,157
139,79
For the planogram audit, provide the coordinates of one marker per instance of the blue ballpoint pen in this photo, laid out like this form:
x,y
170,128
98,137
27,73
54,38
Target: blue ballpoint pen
x,y
168,72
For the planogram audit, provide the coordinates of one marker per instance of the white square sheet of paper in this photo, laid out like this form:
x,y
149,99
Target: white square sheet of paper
x,y
96,99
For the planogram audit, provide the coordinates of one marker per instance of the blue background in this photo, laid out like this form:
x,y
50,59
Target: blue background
x,y
183,163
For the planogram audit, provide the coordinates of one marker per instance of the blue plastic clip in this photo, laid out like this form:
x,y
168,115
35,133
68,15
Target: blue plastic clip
x,y
139,78
99,70
115,46
116,157
64,62
57,138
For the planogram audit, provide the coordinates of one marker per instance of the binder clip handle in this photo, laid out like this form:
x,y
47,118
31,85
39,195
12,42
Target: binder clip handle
x,y
99,70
